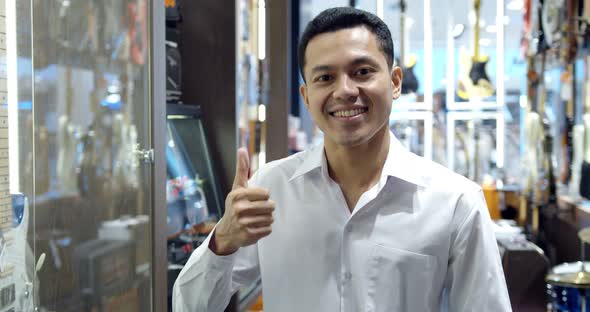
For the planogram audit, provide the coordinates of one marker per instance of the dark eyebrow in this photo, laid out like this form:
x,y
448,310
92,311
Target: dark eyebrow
x,y
356,62
321,68
364,60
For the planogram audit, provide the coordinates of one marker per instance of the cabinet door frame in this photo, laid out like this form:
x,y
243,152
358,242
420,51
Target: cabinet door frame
x,y
157,106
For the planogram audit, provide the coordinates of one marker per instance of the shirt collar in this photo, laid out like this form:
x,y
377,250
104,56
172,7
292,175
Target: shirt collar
x,y
400,163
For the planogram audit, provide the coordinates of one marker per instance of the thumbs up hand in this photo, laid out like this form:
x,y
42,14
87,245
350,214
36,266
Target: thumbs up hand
x,y
248,213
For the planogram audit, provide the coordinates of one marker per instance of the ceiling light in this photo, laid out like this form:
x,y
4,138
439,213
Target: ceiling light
x,y
515,5
458,30
485,42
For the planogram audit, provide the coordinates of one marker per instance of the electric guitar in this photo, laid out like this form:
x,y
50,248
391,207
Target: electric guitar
x,y
477,83
566,138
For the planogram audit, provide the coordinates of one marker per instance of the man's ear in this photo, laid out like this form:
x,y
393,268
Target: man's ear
x,y
303,91
396,81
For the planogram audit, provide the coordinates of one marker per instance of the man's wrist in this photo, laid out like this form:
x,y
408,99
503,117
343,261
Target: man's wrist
x,y
219,246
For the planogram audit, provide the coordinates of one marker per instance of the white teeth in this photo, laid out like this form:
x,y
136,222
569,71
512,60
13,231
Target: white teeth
x,y
349,113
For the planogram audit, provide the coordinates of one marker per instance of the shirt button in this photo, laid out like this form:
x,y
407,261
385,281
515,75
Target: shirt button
x,y
349,228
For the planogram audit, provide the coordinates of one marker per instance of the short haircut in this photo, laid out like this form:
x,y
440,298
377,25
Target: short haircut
x,y
335,19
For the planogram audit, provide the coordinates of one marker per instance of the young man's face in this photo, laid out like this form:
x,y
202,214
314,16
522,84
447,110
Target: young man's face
x,y
349,86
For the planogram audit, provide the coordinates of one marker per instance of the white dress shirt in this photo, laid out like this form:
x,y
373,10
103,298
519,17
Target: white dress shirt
x,y
420,240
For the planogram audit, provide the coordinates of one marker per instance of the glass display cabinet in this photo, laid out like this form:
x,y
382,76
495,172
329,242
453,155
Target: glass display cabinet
x,y
77,160
414,130
475,142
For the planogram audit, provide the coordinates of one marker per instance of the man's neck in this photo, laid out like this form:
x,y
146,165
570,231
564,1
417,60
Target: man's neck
x,y
358,167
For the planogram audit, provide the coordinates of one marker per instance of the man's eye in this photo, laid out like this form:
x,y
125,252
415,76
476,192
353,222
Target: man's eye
x,y
324,78
363,72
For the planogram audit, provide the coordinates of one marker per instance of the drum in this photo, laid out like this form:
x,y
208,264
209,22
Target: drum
x,y
568,287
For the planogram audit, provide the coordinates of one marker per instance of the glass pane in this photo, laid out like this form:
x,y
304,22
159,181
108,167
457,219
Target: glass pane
x,y
475,148
192,191
17,259
91,113
410,132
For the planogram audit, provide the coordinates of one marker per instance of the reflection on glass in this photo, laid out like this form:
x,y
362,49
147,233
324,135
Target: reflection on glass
x,y
81,112
191,190
475,148
410,133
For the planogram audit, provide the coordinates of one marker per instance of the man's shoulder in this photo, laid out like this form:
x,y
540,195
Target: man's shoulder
x,y
281,169
440,178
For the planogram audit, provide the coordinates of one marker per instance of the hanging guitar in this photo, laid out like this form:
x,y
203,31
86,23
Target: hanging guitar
x,y
477,83
526,34
578,137
409,80
552,20
582,151
569,45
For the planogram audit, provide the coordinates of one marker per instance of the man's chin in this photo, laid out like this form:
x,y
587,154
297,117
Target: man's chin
x,y
350,140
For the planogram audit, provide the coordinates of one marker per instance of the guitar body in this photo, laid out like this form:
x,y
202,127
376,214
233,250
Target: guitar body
x,y
409,80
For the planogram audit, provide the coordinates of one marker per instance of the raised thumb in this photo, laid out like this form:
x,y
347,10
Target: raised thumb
x,y
242,169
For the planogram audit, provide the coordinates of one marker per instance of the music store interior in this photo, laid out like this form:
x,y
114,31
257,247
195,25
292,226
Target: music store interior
x,y
120,121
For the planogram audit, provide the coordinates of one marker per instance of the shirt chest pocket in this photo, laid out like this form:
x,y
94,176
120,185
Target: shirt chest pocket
x,y
398,280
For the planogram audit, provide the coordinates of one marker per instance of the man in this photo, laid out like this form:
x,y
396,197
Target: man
x,y
360,223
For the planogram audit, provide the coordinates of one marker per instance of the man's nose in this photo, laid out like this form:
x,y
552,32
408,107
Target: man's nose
x,y
346,89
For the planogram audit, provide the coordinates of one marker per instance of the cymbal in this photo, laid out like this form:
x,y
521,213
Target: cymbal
x,y
577,279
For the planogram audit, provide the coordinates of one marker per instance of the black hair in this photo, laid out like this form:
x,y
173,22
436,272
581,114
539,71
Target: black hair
x,y
335,19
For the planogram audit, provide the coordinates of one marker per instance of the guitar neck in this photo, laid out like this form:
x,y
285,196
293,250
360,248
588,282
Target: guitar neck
x,y
402,28
541,106
476,31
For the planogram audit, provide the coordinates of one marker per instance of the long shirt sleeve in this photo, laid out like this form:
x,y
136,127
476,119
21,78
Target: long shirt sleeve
x,y
475,278
207,281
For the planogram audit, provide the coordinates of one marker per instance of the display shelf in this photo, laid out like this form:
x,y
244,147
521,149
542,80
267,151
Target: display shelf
x,y
193,194
454,117
425,117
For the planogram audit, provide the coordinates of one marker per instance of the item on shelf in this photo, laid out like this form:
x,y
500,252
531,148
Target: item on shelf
x,y
135,229
578,134
137,27
477,83
192,192
173,66
584,149
409,80
106,268
536,42
173,9
567,99
15,275
569,38
552,19
526,34
540,195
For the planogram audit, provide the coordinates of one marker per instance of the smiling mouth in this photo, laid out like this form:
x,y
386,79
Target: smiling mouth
x,y
350,112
